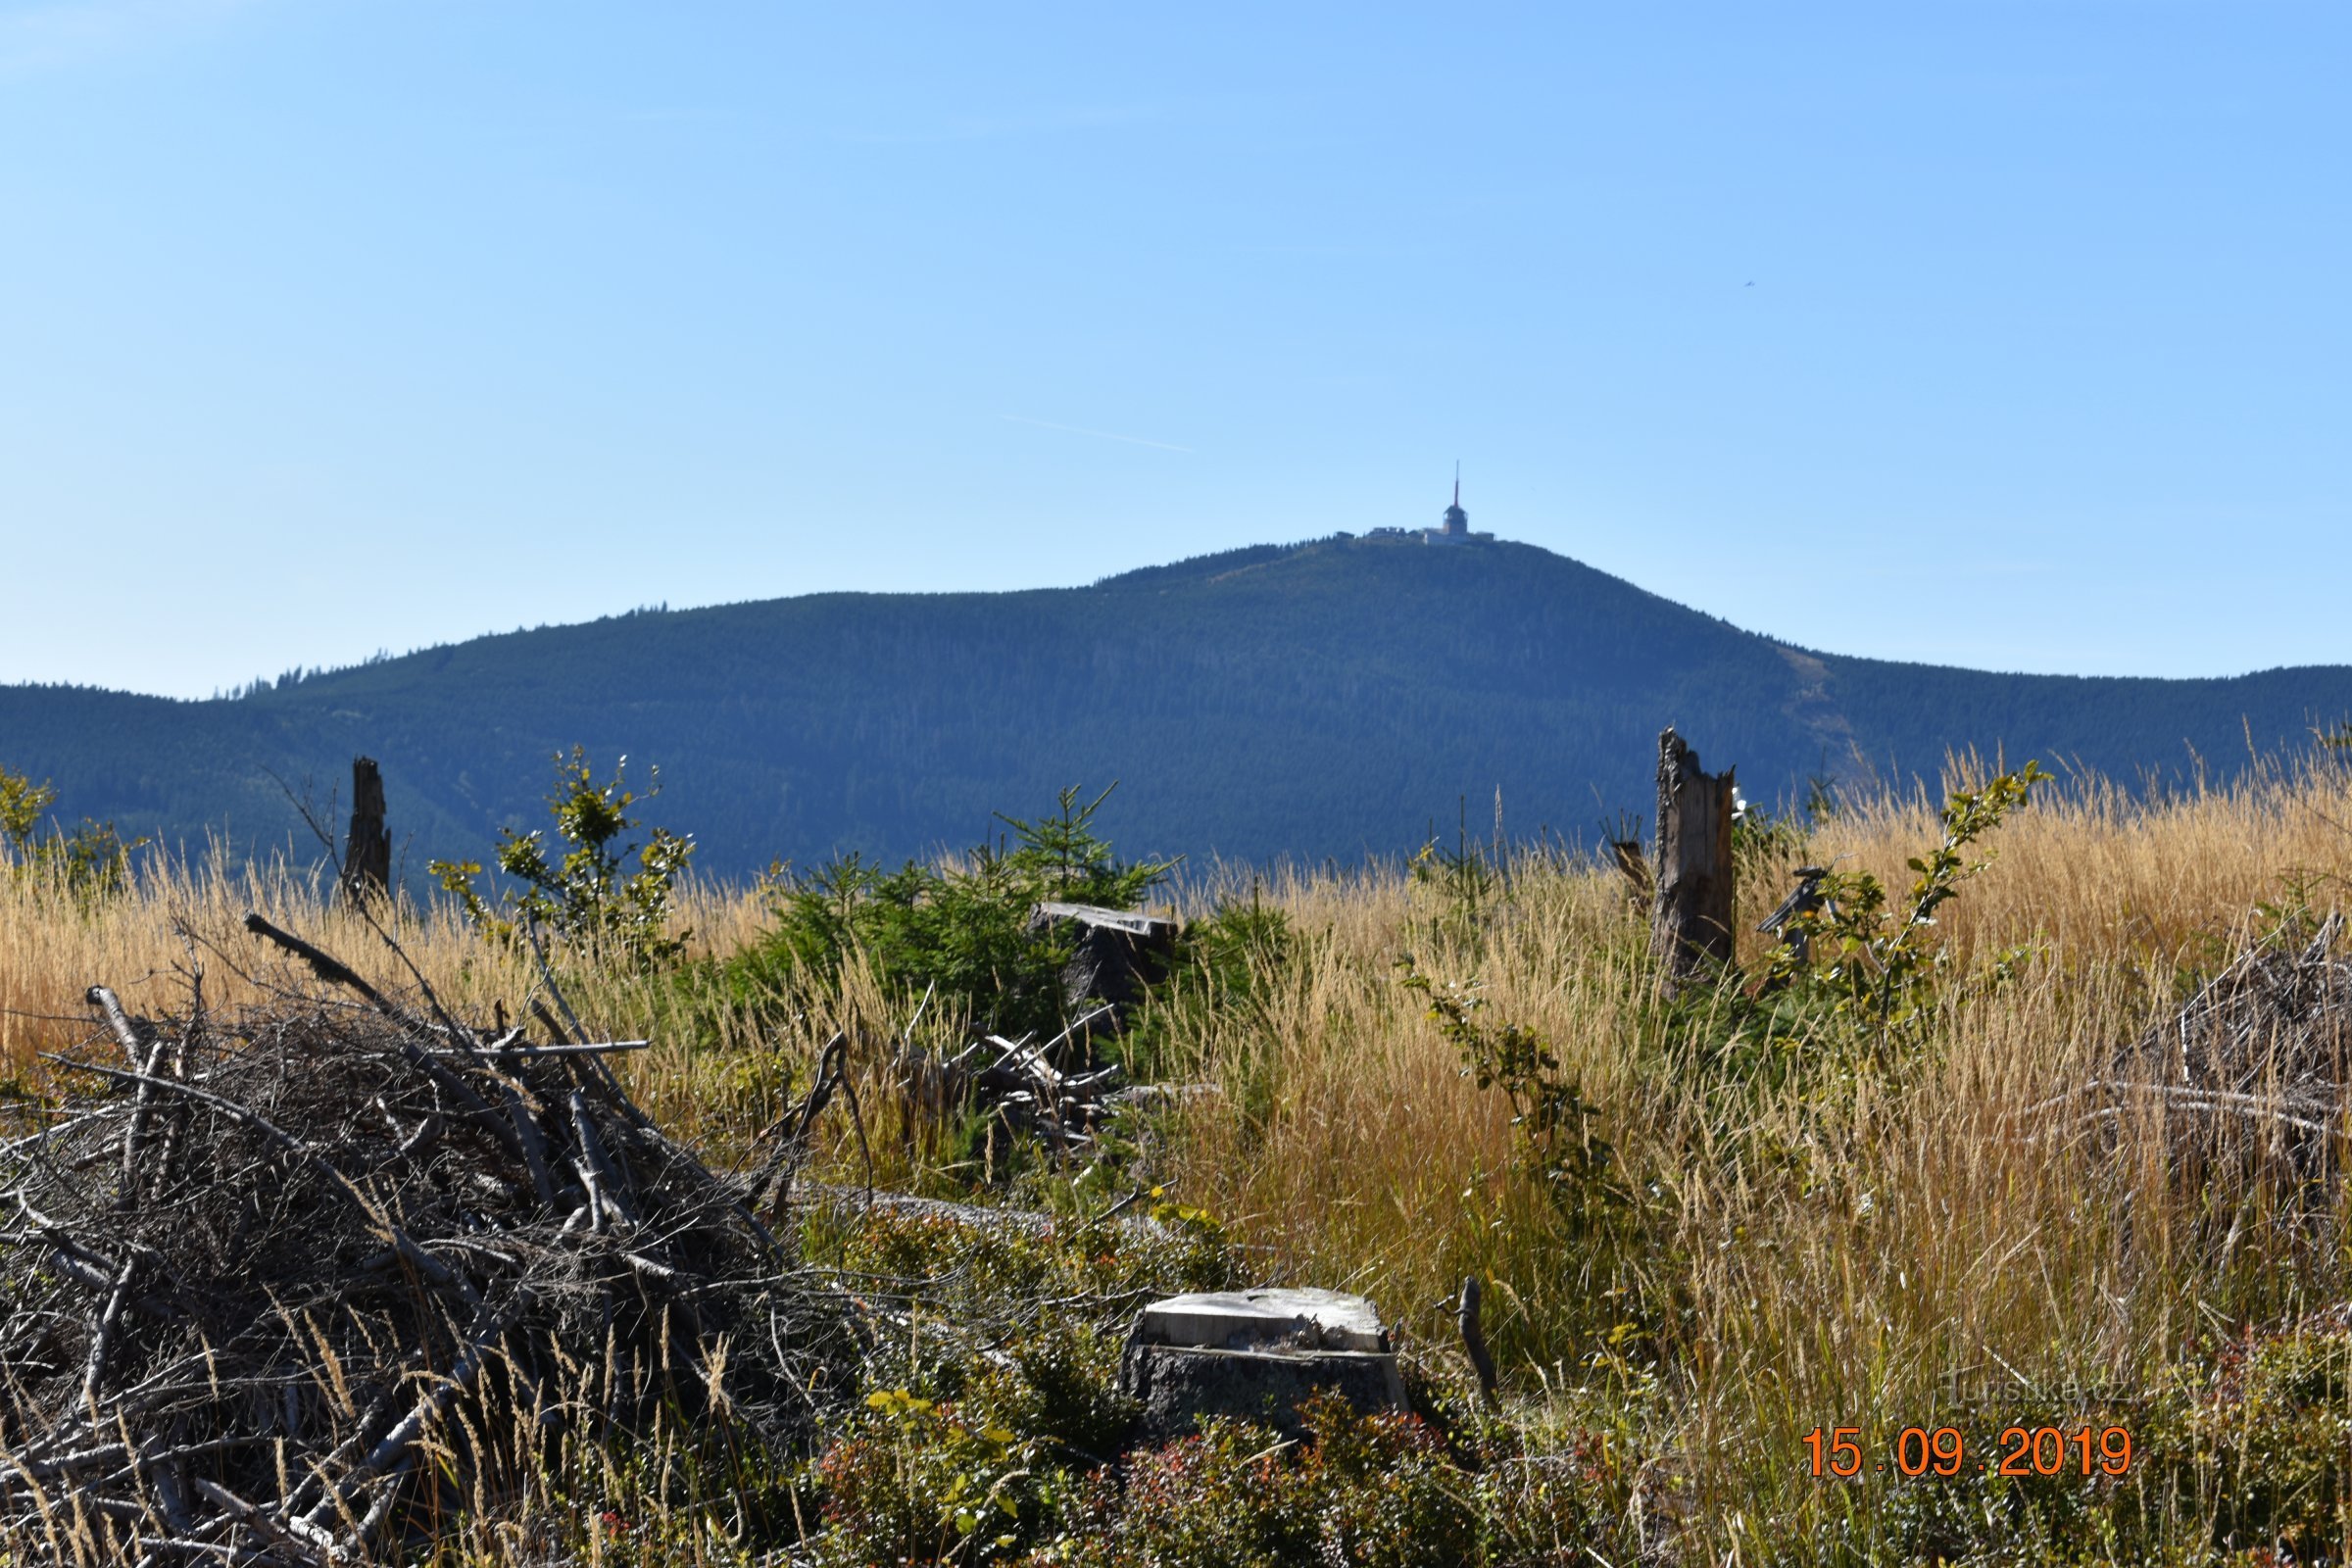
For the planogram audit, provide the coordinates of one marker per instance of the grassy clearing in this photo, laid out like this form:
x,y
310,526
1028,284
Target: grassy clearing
x,y
1787,1232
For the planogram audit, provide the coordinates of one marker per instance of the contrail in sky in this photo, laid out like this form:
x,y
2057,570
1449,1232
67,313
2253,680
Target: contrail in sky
x,y
1099,435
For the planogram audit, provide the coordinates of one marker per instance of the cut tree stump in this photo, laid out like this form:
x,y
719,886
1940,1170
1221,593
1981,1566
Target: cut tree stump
x,y
1114,954
1255,1355
1690,909
367,860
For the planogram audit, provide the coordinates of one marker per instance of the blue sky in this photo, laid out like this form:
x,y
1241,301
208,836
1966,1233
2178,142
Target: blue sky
x,y
2012,336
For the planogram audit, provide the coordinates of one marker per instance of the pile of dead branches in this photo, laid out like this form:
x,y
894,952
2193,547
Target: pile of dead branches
x,y
1038,1090
293,1283
1057,1092
2250,1070
2269,1029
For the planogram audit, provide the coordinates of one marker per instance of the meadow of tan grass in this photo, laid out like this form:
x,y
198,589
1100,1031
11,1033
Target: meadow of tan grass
x,y
1924,1245
1867,1247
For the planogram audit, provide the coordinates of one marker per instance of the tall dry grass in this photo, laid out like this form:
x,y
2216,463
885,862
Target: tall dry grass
x,y
182,917
1863,1247
1818,1242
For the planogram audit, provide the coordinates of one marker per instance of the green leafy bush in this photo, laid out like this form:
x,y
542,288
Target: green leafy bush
x,y
964,928
1859,958
583,896
925,1482
2239,1455
982,1423
88,861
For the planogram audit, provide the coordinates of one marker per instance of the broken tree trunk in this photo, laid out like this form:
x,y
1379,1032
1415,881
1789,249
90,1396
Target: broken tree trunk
x,y
1691,912
367,860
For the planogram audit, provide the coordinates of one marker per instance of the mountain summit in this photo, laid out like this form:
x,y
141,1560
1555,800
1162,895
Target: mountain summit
x,y
1331,698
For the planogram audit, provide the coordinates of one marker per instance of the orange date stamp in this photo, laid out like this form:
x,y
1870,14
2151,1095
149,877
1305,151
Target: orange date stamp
x,y
1944,1451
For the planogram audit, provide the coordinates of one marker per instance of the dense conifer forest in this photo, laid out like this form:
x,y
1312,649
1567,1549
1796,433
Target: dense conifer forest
x,y
1326,699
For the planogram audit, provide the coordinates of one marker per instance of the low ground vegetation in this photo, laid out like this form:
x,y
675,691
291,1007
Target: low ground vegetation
x,y
1884,1192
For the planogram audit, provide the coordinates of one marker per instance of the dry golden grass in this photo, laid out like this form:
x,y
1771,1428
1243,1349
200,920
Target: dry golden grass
x,y
1870,1245
1915,1251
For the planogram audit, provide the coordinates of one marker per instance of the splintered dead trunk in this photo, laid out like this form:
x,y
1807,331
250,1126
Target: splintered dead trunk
x,y
1690,913
367,860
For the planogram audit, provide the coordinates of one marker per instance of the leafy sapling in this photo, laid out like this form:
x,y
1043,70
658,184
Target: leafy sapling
x,y
86,863
1870,961
582,894
1560,1144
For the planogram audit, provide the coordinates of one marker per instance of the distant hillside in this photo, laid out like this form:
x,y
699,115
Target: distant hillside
x,y
1330,699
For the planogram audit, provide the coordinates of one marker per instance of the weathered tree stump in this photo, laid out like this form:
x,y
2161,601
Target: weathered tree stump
x,y
1114,954
368,859
1690,912
1255,1355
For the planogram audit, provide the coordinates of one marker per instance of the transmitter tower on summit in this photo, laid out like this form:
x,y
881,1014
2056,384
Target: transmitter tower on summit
x,y
1455,528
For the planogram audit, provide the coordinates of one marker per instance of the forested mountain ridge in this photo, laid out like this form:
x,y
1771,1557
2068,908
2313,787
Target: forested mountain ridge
x,y
1330,699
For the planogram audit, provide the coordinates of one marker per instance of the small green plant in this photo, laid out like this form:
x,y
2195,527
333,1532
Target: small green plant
x,y
87,862
2305,897
1548,1108
1596,1220
1378,1491
582,894
1470,881
1872,962
1560,1145
922,1481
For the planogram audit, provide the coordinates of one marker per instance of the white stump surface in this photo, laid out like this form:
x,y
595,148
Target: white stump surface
x,y
1265,1320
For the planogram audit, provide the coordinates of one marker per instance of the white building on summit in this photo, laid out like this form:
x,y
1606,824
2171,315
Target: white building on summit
x,y
1456,529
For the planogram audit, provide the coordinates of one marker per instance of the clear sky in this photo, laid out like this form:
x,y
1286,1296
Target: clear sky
x,y
2012,336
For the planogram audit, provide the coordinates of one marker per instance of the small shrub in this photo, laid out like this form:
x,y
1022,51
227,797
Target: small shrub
x,y
1225,966
1860,959
964,929
2239,1455
970,1448
583,896
2260,1428
1559,1142
922,1482
86,863
1097,1272
1471,882
1067,1390
1377,1491
1549,1496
